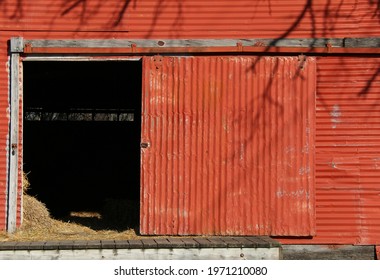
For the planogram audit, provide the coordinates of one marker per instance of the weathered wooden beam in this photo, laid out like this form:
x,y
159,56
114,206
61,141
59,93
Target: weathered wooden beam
x,y
16,45
191,50
183,43
325,252
13,155
361,43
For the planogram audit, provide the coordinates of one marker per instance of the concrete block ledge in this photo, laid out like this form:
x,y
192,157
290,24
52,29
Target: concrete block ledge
x,y
211,248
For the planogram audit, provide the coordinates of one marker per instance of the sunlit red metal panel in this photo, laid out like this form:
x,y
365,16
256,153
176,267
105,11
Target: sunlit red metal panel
x,y
348,145
343,216
347,152
191,18
230,146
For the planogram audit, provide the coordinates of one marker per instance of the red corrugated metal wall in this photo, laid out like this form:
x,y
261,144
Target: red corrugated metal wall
x,y
348,150
231,146
48,19
4,130
191,18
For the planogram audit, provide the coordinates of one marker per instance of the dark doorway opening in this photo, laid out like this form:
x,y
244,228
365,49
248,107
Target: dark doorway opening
x,y
81,138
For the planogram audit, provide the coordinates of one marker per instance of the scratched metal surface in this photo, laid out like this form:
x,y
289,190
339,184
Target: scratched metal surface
x,y
231,146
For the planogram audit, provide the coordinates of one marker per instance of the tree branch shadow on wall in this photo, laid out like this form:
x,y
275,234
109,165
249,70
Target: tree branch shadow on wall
x,y
330,20
16,13
119,16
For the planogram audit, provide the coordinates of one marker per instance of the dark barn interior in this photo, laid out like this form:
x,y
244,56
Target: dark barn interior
x,y
81,135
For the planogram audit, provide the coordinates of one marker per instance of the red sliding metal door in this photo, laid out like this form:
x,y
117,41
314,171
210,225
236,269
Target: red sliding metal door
x,y
229,146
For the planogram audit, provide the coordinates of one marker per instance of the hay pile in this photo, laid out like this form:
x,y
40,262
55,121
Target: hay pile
x,y
35,213
38,225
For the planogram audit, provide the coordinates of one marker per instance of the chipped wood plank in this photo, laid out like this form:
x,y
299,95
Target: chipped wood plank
x,y
203,242
190,243
66,245
217,242
22,246
80,244
122,244
258,241
8,245
231,243
37,245
176,242
244,242
93,244
51,245
108,244
149,243
163,243
135,244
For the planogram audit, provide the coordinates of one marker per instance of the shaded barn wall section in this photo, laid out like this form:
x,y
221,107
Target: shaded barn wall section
x,y
231,146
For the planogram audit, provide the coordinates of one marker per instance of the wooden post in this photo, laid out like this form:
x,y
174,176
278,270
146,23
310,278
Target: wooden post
x,y
13,155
